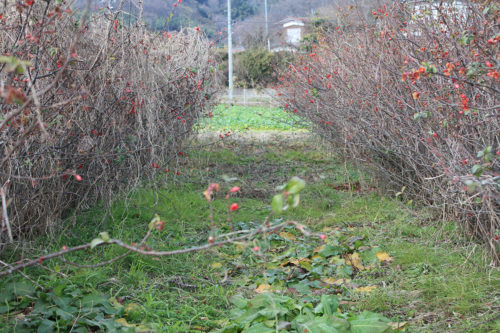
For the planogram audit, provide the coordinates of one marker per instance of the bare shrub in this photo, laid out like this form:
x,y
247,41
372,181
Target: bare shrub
x,y
416,92
90,106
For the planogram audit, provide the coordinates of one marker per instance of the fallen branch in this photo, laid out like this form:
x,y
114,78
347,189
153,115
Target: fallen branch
x,y
264,228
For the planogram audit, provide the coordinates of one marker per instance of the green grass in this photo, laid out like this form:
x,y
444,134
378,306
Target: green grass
x,y
240,118
437,282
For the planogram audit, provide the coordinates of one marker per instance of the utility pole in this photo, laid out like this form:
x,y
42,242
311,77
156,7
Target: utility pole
x,y
230,51
267,27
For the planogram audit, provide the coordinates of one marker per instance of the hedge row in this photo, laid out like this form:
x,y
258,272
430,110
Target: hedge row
x,y
90,106
417,94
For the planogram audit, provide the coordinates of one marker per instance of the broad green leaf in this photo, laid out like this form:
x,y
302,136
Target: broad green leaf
x,y
295,185
259,328
91,301
95,242
324,324
369,322
277,204
46,326
477,170
16,289
328,305
65,314
104,236
239,301
330,250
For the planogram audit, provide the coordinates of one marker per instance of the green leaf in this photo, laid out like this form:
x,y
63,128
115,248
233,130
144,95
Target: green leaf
x,y
239,301
16,289
324,324
419,115
369,322
153,222
328,305
295,185
64,314
330,250
91,301
477,170
104,236
95,242
277,204
259,328
46,326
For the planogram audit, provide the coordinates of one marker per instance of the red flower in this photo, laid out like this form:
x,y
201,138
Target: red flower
x,y
234,189
233,207
78,178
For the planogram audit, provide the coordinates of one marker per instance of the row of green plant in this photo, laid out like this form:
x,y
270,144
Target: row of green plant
x,y
237,118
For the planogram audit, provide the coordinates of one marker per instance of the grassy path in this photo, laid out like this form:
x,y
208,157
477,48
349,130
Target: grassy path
x,y
435,281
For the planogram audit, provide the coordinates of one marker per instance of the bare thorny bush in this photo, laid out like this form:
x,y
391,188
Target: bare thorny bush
x,y
89,107
415,91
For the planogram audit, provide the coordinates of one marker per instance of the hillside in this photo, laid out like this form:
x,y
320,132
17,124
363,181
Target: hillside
x,y
211,14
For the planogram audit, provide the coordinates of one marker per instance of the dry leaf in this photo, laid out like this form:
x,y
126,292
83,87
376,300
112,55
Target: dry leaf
x,y
355,261
383,256
333,281
216,265
293,261
207,195
366,289
287,235
263,288
240,247
399,326
319,248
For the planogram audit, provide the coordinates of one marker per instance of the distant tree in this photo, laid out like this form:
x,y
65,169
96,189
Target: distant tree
x,y
254,39
240,9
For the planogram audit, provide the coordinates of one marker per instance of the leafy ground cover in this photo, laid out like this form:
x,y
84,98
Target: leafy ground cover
x,y
381,261
255,118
